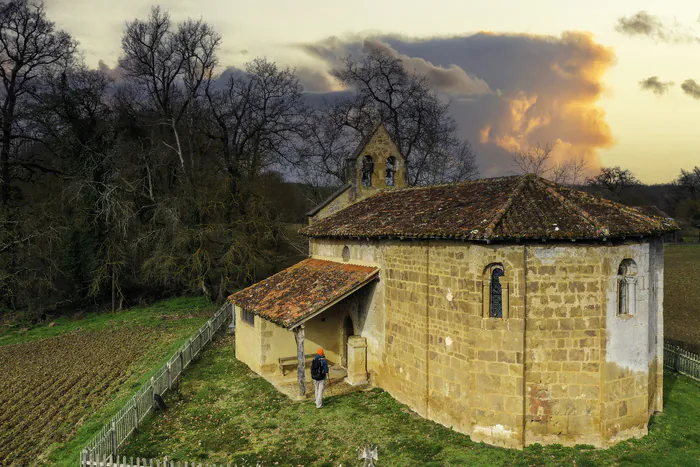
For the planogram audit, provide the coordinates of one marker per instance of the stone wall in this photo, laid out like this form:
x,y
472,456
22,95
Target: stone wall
x,y
541,376
380,148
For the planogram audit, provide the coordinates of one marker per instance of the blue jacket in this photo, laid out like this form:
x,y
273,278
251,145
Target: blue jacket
x,y
324,365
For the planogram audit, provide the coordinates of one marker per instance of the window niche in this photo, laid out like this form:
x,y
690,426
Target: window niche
x,y
346,253
627,288
367,171
248,317
390,171
495,292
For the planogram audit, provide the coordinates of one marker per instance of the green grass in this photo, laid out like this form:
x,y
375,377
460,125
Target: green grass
x,y
177,310
176,320
682,295
226,413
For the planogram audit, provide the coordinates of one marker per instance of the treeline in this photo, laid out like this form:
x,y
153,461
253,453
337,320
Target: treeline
x,y
167,175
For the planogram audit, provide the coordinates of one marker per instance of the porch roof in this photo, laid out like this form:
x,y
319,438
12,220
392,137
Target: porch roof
x,y
302,291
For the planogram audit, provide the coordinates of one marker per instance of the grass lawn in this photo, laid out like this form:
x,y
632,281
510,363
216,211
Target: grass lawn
x,y
226,413
682,296
41,377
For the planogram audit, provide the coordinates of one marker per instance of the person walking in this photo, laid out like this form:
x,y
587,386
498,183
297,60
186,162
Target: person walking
x,y
319,370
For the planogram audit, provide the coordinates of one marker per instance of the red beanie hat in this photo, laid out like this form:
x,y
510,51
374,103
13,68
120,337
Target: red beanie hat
x,y
320,351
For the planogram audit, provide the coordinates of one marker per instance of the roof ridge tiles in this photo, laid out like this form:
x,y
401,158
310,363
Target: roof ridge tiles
x,y
600,228
500,213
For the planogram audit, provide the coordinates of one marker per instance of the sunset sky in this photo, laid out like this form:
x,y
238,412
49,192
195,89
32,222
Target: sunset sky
x,y
516,72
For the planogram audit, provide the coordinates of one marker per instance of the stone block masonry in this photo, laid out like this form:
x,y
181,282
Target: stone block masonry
x,y
553,370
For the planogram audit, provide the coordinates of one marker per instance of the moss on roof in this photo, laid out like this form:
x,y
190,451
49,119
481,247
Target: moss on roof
x,y
299,291
519,207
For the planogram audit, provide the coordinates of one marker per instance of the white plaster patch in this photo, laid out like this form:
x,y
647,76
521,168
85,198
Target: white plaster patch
x,y
627,336
449,295
448,341
496,431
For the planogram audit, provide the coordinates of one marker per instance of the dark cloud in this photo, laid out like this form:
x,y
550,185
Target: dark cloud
x,y
116,73
315,81
645,24
691,88
655,85
540,89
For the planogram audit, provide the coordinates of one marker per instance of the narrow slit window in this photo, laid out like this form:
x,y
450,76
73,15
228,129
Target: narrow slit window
x,y
248,317
367,170
627,288
496,308
390,170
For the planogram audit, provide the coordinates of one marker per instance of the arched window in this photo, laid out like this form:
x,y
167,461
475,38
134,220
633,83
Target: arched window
x,y
390,170
367,170
346,253
496,292
627,287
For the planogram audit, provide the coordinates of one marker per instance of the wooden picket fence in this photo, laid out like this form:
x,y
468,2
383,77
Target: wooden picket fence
x,y
106,461
682,361
106,443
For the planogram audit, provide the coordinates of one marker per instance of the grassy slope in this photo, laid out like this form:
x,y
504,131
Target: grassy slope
x,y
225,412
176,320
682,296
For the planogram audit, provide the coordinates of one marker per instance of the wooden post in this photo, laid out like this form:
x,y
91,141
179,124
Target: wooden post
x,y
299,338
114,439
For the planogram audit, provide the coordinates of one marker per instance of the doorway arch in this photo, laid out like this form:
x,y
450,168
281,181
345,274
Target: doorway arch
x,y
348,330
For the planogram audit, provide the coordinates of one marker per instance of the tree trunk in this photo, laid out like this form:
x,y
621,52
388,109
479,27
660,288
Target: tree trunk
x,y
299,338
5,151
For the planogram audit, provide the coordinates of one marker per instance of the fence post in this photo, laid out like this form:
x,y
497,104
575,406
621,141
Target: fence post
x,y
182,362
170,380
136,413
114,439
153,391
676,357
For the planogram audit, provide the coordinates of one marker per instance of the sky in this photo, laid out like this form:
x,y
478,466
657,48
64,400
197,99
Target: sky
x,y
516,73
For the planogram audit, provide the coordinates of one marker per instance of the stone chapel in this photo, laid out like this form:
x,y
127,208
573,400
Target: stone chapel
x,y
512,309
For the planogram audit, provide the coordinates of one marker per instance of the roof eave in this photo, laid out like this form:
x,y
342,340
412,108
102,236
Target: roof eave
x,y
357,287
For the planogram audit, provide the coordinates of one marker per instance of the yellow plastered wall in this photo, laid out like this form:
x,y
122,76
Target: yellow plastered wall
x,y
248,341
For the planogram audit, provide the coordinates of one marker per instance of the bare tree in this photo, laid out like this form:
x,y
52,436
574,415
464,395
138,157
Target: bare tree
x,y
257,118
537,160
690,180
418,121
29,44
171,65
534,160
614,179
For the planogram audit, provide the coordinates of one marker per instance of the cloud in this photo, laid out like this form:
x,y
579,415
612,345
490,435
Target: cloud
x,y
645,24
315,80
691,88
524,89
655,85
116,73
452,80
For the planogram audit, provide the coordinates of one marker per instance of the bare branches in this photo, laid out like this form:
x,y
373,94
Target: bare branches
x,y
614,179
29,45
171,64
417,119
537,160
534,160
258,118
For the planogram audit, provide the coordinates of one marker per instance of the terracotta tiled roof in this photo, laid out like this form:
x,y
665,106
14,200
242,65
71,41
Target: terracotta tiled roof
x,y
506,208
302,290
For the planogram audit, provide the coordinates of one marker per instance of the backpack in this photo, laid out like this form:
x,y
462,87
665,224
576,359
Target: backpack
x,y
316,369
